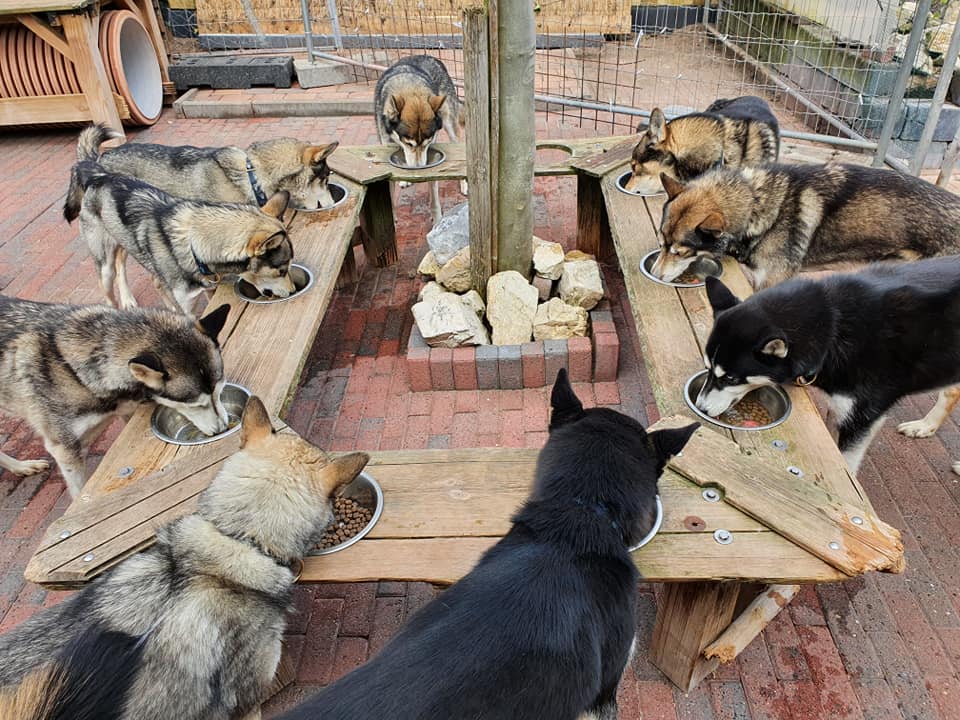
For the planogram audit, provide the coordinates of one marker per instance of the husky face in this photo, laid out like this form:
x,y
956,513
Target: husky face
x,y
413,123
651,157
270,251
692,226
308,187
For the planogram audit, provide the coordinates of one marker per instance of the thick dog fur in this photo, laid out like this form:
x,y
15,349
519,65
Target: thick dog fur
x,y
208,601
866,339
187,245
69,370
413,99
777,219
543,626
730,133
215,174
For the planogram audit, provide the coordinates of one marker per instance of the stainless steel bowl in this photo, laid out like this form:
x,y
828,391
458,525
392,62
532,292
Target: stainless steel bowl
x,y
172,427
654,530
622,187
435,156
302,281
339,194
701,267
773,397
365,491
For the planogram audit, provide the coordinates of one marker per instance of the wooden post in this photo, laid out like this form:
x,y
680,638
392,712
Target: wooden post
x,y
517,45
476,60
690,617
81,33
593,226
493,83
380,232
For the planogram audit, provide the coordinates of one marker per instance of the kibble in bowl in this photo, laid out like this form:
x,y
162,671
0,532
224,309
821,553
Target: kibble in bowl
x,y
760,409
356,509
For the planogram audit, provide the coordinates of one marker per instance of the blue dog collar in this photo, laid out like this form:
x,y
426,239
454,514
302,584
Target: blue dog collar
x,y
258,192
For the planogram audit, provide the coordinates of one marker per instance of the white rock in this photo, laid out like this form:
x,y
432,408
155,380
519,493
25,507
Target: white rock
x,y
581,284
473,301
543,286
450,234
455,274
429,265
547,258
429,289
511,307
445,321
555,320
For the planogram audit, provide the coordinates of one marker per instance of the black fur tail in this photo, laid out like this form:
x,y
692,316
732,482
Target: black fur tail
x,y
90,680
88,149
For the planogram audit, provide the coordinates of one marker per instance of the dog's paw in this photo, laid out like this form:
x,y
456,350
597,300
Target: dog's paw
x,y
23,468
917,429
403,184
463,187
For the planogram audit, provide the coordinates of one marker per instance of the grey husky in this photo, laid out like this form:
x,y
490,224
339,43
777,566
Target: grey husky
x,y
217,174
208,602
69,370
414,98
187,245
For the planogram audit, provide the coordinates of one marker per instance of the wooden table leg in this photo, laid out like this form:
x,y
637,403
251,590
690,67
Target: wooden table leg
x,y
81,32
690,617
593,226
380,232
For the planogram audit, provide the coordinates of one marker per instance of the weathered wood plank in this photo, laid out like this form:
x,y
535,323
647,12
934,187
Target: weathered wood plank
x,y
593,226
476,57
80,31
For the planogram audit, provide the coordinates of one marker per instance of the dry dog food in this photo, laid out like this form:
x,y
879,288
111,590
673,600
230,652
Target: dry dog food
x,y
688,278
747,414
349,518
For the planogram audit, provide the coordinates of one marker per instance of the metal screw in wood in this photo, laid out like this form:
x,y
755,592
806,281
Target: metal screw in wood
x,y
88,557
711,495
834,545
126,471
724,537
794,470
856,520
65,534
779,444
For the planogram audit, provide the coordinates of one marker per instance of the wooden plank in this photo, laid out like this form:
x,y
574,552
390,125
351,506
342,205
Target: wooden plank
x,y
593,225
477,142
689,617
379,226
758,483
81,34
46,33
608,155
17,7
40,110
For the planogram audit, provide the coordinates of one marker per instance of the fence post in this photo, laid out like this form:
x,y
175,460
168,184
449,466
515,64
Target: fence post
x,y
335,24
307,29
476,66
517,128
936,104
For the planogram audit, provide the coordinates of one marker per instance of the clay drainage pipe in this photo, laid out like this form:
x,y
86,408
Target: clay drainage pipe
x,y
132,65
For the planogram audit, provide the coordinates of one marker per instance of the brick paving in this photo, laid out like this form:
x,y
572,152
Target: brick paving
x,y
878,647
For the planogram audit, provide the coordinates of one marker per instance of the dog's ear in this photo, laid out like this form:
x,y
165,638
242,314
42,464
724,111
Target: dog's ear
x,y
263,242
719,295
672,186
668,443
658,125
436,102
394,106
316,154
565,403
342,471
255,425
712,223
276,206
776,346
147,368
212,323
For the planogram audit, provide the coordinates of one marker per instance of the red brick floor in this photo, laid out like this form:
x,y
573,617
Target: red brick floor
x,y
878,647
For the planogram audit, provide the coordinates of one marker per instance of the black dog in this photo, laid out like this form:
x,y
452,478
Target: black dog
x,y
543,626
867,339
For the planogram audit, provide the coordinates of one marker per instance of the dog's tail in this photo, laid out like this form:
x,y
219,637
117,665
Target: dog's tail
x,y
89,681
88,150
82,175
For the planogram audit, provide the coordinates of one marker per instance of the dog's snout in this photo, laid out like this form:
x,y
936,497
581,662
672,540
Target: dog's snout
x,y
268,292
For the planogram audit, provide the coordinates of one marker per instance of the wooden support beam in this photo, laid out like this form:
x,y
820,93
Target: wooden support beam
x,y
47,34
81,32
689,617
593,225
476,60
750,622
380,232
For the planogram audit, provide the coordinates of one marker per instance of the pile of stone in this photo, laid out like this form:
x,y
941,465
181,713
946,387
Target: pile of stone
x,y
936,36
553,307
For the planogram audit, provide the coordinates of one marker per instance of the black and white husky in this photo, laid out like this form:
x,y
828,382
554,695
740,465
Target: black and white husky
x,y
867,339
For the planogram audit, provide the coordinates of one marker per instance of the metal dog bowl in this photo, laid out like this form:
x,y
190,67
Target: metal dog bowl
x,y
773,398
339,194
435,156
654,530
172,427
622,187
302,281
701,267
363,489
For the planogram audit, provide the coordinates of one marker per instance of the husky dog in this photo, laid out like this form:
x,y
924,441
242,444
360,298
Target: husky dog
x,y
69,370
220,174
779,219
187,245
730,133
208,602
866,339
544,625
413,99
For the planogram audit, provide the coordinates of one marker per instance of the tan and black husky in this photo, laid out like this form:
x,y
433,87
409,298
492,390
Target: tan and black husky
x,y
414,98
201,614
778,219
69,370
187,245
217,174
730,133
